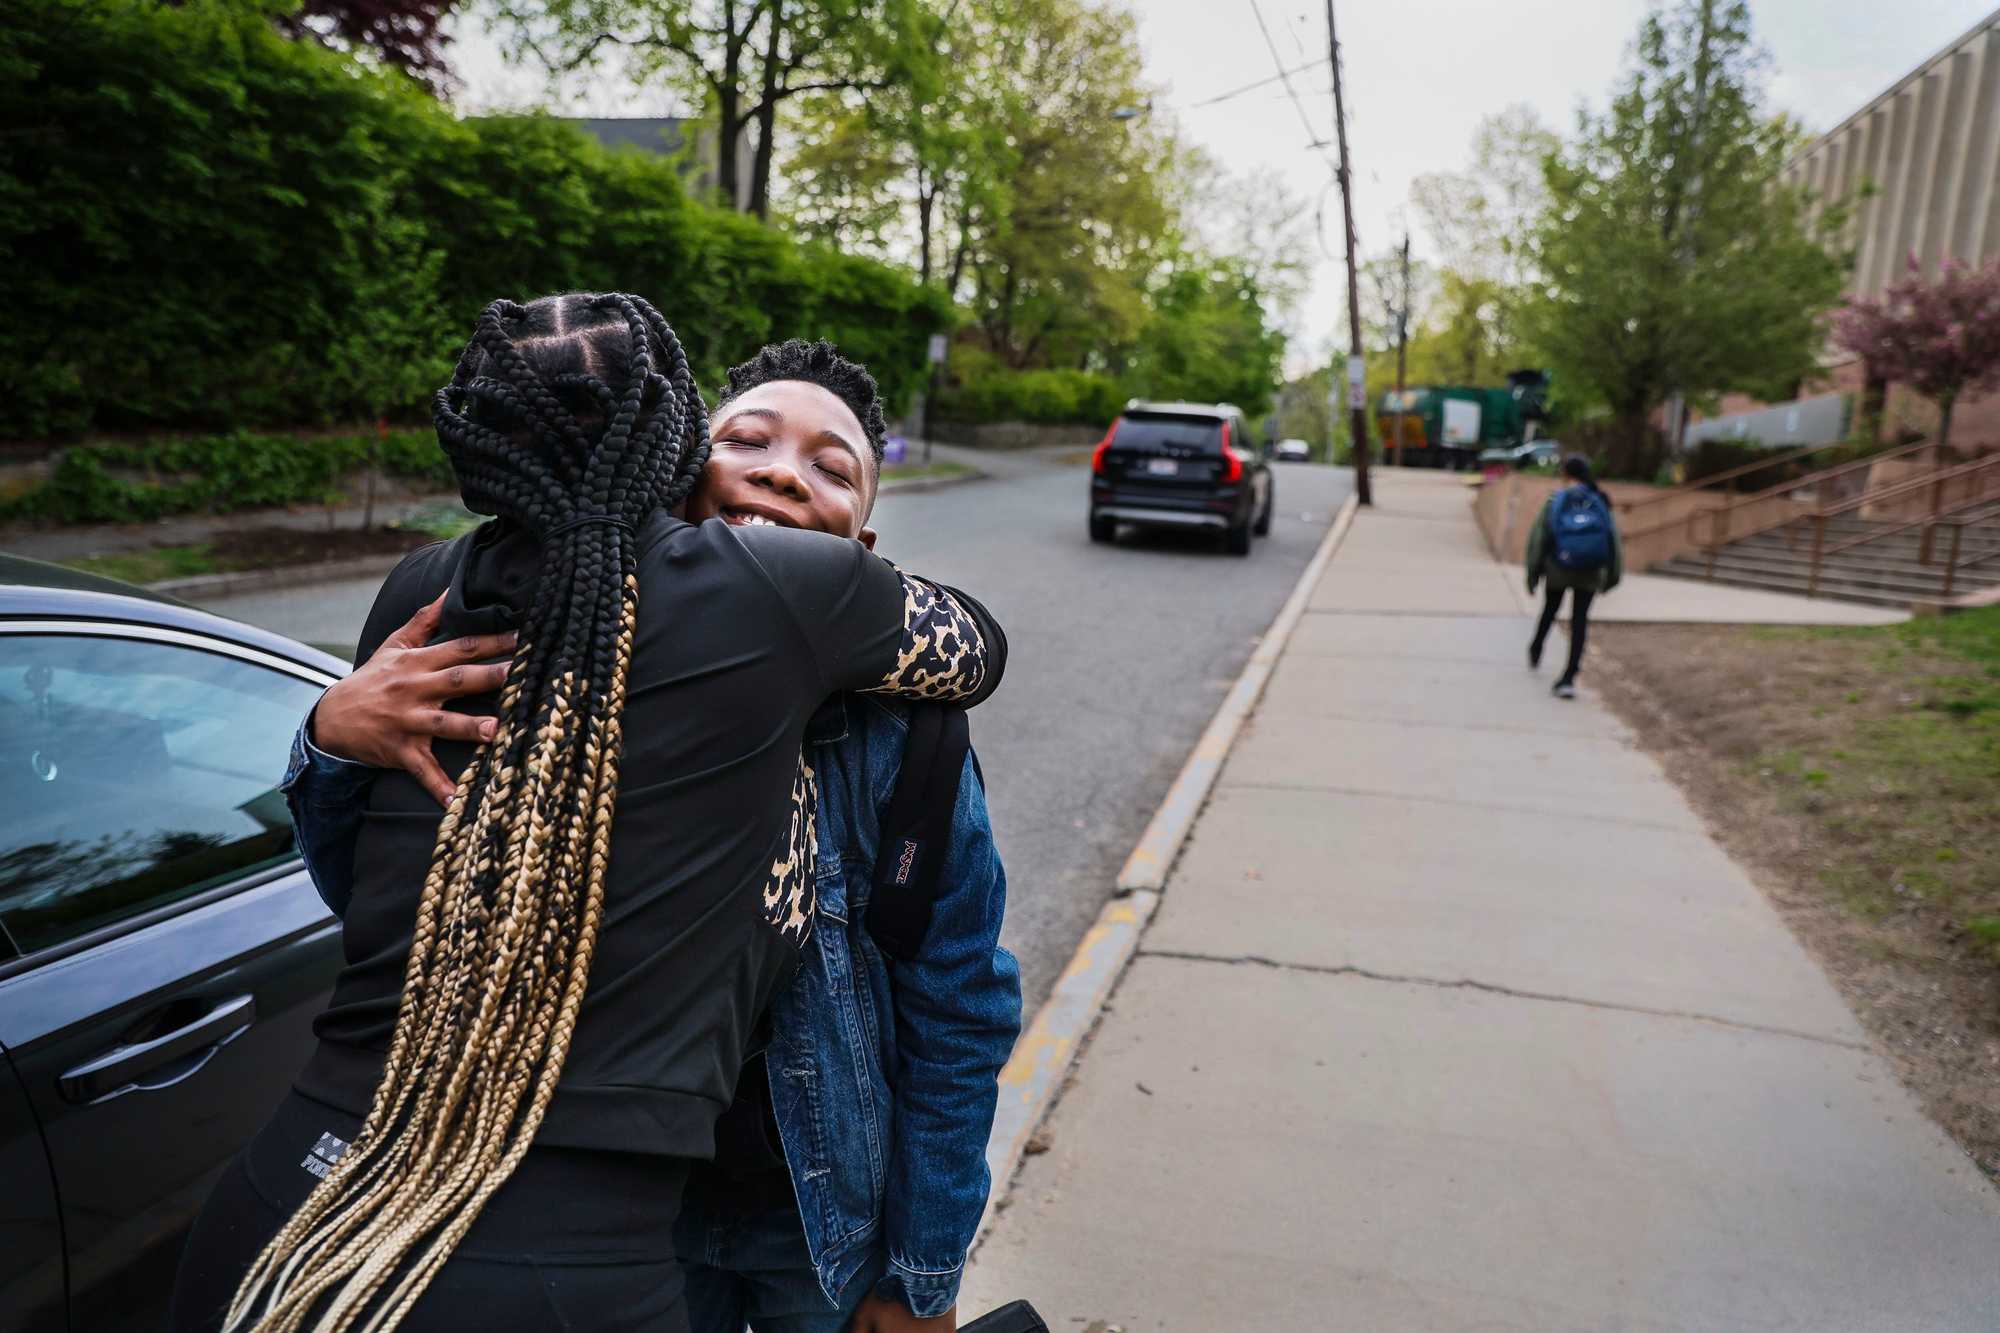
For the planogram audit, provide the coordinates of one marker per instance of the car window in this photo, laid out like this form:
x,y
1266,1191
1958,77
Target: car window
x,y
132,774
1146,431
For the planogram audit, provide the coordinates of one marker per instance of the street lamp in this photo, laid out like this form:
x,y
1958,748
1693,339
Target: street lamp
x,y
1133,112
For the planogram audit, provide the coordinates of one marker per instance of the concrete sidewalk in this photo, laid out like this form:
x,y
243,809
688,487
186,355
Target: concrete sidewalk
x,y
1454,1017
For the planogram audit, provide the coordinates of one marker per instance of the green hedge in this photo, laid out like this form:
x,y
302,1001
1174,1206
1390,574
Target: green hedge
x,y
209,226
147,479
1049,397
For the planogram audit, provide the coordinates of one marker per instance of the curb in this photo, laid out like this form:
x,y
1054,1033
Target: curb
x,y
919,485
1042,1057
286,576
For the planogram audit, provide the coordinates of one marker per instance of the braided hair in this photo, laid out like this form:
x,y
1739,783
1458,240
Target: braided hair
x,y
573,418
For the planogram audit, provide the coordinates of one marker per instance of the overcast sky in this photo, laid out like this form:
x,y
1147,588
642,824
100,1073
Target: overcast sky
x,y
1420,75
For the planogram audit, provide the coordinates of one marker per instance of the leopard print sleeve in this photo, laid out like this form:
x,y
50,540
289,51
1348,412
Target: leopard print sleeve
x,y
946,652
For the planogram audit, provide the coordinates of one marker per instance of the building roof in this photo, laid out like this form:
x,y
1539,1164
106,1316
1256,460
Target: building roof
x,y
655,134
1943,52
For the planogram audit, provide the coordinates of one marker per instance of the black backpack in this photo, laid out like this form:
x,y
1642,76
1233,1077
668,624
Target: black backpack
x,y
916,830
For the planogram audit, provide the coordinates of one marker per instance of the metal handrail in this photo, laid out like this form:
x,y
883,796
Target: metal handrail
x,y
1987,469
1953,563
1719,516
1703,483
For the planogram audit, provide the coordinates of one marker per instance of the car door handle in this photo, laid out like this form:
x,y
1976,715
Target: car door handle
x,y
119,1069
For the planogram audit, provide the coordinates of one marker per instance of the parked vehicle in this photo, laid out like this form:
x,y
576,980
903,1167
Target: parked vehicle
x,y
162,953
1181,465
1293,451
1449,426
1535,454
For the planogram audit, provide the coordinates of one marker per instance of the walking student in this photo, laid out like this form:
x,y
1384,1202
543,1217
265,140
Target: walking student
x,y
552,983
850,1170
1574,548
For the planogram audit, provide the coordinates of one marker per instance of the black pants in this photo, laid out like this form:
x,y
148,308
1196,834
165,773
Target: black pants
x,y
1579,622
573,1240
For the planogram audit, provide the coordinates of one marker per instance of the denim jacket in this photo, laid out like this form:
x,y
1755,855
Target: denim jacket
x,y
883,1076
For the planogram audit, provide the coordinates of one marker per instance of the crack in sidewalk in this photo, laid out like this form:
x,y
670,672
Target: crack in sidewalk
x,y
1492,988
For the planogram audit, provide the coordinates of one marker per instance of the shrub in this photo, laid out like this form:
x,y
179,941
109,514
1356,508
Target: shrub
x,y
1046,397
193,205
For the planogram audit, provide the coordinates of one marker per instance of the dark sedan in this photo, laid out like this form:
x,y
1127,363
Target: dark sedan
x,y
1185,465
162,954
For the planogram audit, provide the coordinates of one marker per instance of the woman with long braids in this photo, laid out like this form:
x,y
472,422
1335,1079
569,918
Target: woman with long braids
x,y
549,991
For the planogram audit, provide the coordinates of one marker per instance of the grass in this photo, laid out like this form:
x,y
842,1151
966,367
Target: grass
x,y
918,471
1898,762
150,566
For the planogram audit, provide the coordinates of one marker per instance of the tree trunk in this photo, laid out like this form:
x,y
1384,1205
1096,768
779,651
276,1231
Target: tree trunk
x,y
1874,399
1946,401
728,129
729,108
958,257
926,202
767,117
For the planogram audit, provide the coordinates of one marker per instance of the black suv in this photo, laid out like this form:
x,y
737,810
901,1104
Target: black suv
x,y
162,953
1187,465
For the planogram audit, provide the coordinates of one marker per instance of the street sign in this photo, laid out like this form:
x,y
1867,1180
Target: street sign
x,y
1357,369
937,349
1357,397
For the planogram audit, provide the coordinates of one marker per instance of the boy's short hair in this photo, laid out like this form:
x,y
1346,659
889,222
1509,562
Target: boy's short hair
x,y
821,363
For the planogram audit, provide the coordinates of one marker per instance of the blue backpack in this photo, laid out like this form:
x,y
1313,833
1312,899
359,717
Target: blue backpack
x,y
1580,526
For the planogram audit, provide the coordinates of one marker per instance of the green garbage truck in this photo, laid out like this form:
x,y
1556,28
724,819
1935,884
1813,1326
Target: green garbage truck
x,y
1448,425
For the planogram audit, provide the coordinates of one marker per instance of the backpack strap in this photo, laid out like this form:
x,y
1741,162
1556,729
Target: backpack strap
x,y
916,829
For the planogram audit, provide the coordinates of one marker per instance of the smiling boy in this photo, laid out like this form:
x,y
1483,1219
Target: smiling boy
x,y
838,1197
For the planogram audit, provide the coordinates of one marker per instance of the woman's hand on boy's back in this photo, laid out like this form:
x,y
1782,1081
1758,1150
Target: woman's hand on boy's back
x,y
386,713
876,1314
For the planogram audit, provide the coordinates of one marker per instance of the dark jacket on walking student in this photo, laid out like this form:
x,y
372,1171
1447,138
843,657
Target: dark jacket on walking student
x,y
552,985
1541,556
1598,528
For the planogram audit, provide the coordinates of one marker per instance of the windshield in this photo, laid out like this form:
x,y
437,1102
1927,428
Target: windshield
x,y
1151,430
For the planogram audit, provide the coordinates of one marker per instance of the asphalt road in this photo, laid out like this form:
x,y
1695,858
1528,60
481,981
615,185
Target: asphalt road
x,y
1117,658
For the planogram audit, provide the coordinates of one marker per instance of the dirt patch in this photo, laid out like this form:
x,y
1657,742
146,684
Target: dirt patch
x,y
266,548
1856,773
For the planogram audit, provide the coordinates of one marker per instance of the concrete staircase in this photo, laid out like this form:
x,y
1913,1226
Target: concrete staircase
x,y
1886,572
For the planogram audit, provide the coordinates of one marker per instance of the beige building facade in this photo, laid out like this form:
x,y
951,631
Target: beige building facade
x,y
1919,169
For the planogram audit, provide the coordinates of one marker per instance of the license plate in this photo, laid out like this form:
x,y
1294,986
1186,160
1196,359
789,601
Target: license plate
x,y
1163,467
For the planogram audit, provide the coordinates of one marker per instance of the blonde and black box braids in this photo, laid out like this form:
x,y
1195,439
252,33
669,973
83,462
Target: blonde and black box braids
x,y
574,418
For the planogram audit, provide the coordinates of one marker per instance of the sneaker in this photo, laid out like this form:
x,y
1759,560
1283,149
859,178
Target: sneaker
x,y
1534,654
1563,690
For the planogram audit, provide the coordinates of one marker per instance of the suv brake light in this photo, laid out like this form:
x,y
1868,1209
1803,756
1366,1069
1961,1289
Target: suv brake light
x,y
1097,455
1232,462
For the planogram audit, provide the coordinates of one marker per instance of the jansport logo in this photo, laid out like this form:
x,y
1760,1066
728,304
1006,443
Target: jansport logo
x,y
906,860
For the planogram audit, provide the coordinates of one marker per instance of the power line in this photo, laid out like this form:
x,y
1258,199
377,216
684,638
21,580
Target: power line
x,y
1285,77
1253,87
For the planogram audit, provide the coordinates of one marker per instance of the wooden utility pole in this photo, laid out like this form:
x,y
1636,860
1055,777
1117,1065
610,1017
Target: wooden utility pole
x,y
1356,405
1402,346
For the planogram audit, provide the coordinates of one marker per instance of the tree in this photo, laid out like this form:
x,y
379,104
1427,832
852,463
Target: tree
x,y
1208,339
403,34
1669,255
1480,219
1941,338
900,170
745,58
394,345
1480,216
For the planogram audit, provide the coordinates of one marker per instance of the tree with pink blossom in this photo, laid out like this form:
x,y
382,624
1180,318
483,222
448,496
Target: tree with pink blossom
x,y
1941,338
